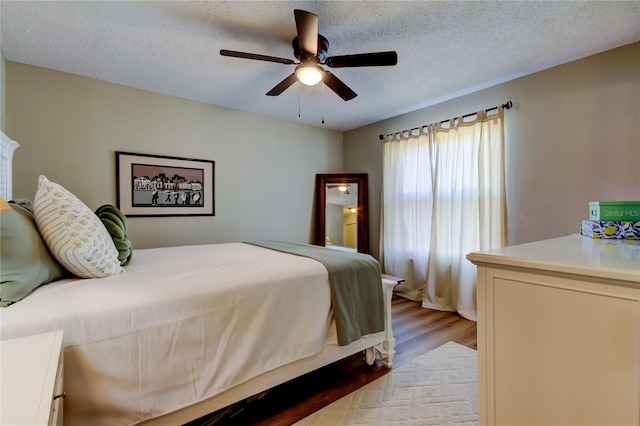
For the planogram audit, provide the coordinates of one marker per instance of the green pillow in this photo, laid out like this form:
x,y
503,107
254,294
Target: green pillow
x,y
25,260
116,223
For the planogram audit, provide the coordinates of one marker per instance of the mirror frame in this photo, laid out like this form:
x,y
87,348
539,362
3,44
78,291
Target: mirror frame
x,y
363,206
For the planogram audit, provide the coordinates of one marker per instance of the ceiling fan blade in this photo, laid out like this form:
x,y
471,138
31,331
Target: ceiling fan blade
x,y
307,26
377,59
244,55
341,89
283,85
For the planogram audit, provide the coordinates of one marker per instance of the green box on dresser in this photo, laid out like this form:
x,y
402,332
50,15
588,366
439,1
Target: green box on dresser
x,y
626,211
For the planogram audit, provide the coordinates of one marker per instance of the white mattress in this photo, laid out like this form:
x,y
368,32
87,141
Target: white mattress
x,y
181,325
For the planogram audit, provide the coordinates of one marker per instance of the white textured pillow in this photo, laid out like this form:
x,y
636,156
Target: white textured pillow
x,y
73,233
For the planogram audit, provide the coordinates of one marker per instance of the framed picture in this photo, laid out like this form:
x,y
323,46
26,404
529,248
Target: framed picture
x,y
157,185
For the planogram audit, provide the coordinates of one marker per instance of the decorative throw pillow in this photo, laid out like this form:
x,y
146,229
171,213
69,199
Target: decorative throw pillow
x,y
25,261
116,223
73,233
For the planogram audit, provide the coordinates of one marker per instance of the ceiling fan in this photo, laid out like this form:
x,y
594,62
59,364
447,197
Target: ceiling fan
x,y
342,187
311,49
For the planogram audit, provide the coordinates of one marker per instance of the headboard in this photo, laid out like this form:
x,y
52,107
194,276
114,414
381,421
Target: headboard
x,y
7,147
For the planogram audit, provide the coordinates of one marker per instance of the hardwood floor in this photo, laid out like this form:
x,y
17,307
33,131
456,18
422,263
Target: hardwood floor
x,y
417,331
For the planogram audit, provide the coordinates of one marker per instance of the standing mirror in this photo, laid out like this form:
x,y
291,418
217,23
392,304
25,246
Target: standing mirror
x,y
342,213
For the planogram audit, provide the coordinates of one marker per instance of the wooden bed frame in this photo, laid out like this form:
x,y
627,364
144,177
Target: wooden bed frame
x,y
382,343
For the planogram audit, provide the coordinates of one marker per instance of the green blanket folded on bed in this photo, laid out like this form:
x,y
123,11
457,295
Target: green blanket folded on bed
x,y
356,287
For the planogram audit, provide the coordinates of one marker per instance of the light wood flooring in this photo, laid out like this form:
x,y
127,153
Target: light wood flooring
x,y
417,331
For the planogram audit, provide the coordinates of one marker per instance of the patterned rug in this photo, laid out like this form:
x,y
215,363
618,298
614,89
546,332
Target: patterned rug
x,y
438,388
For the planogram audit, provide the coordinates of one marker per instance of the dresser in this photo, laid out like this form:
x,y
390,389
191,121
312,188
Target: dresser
x,y
31,379
559,332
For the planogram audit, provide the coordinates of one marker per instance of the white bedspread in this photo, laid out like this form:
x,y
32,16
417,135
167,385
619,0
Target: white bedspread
x,y
181,325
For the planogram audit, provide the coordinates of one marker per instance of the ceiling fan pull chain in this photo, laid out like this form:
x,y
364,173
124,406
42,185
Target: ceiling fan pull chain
x,y
298,100
322,101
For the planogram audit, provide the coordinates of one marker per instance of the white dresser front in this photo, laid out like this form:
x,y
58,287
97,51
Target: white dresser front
x,y
559,332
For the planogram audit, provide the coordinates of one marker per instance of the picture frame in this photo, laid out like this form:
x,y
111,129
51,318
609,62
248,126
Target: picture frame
x,y
158,185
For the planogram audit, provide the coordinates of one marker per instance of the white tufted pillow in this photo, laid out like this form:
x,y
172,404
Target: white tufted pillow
x,y
73,233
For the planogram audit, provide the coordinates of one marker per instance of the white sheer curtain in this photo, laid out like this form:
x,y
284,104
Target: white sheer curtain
x,y
443,197
406,211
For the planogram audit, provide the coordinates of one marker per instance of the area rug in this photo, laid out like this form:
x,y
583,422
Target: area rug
x,y
438,388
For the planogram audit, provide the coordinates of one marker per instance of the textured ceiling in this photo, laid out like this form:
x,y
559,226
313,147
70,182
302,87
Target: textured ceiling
x,y
445,48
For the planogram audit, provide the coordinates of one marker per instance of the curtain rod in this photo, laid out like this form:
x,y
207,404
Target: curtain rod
x,y
506,105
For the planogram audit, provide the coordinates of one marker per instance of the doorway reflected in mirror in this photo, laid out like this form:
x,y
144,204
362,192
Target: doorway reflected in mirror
x,y
341,222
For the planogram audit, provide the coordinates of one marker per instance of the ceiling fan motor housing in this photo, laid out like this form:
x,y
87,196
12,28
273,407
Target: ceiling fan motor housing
x,y
323,48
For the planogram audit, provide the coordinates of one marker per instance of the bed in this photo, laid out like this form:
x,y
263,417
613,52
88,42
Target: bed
x,y
179,332
188,330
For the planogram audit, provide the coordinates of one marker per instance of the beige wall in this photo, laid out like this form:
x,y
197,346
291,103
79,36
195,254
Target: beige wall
x,y
69,128
2,80
572,137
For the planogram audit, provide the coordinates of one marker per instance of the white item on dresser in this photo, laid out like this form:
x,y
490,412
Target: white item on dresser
x,y
7,146
559,332
31,378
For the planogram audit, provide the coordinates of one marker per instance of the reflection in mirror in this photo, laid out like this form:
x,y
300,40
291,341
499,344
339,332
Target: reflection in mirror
x,y
341,221
342,217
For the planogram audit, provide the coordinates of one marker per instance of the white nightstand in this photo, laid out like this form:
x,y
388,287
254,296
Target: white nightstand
x,y
31,380
392,280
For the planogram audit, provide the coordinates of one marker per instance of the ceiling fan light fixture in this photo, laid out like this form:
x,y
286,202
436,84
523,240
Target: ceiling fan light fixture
x,y
309,74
